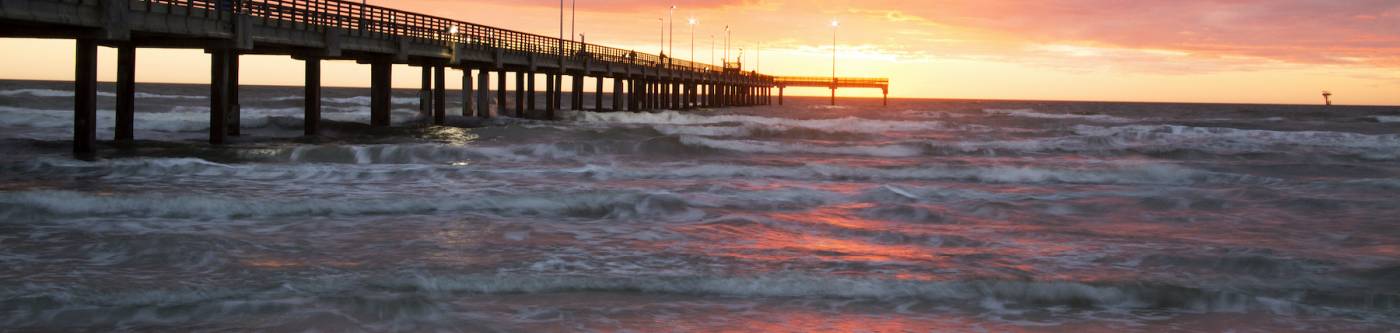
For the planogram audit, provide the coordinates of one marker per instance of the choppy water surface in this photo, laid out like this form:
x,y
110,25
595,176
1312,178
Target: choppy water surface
x,y
923,216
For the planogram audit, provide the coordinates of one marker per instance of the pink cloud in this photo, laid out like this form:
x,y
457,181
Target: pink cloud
x,y
1301,31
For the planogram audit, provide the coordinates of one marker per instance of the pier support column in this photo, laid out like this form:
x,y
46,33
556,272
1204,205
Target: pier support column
x,y
598,95
780,94
631,94
886,100
235,110
218,95
439,95
483,93
126,94
425,93
705,95
558,93
549,93
833,96
501,92
648,95
530,92
520,94
576,103
555,84
467,92
311,120
85,98
617,94
381,92
675,88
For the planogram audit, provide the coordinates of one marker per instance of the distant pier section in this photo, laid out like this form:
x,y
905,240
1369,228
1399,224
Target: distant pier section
x,y
317,30
782,82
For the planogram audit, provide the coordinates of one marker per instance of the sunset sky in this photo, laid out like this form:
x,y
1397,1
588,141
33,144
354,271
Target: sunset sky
x,y
1275,51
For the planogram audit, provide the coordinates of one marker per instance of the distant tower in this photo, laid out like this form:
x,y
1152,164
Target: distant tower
x,y
1327,97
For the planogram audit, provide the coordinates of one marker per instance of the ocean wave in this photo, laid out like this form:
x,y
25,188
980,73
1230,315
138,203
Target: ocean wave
x,y
180,119
353,100
846,124
1175,134
591,205
433,154
1000,294
380,161
1173,138
1030,113
69,93
768,147
1162,174
1388,119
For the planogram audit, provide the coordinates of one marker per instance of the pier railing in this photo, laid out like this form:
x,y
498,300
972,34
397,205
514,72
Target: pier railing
x,y
391,23
818,81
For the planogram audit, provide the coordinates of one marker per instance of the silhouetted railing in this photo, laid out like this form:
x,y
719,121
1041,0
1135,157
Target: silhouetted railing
x,y
816,81
370,20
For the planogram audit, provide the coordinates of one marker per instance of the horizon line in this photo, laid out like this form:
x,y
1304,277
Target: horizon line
x,y
892,97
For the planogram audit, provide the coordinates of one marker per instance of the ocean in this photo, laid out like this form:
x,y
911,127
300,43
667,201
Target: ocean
x,y
926,215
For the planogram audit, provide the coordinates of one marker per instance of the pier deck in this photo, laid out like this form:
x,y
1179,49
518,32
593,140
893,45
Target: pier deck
x,y
317,30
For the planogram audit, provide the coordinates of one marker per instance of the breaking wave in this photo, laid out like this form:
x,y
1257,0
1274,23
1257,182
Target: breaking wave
x,y
986,294
846,124
1029,113
69,93
180,119
596,205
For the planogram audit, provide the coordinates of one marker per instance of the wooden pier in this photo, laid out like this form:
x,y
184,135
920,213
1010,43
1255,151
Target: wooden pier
x,y
317,30
782,82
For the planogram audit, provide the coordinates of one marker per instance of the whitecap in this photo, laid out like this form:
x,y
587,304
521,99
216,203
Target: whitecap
x,y
1031,113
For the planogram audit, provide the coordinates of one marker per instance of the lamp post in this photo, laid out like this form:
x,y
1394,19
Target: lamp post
x,y
573,18
672,16
712,49
727,34
662,21
834,24
692,22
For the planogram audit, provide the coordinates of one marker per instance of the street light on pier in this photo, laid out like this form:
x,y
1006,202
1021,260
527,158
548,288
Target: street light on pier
x,y
712,49
573,18
727,35
834,24
693,22
672,16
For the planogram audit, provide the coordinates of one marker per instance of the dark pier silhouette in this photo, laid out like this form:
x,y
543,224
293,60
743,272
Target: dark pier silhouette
x,y
317,30
782,82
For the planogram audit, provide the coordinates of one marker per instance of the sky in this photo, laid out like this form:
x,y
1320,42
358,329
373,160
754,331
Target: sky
x,y
1239,51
